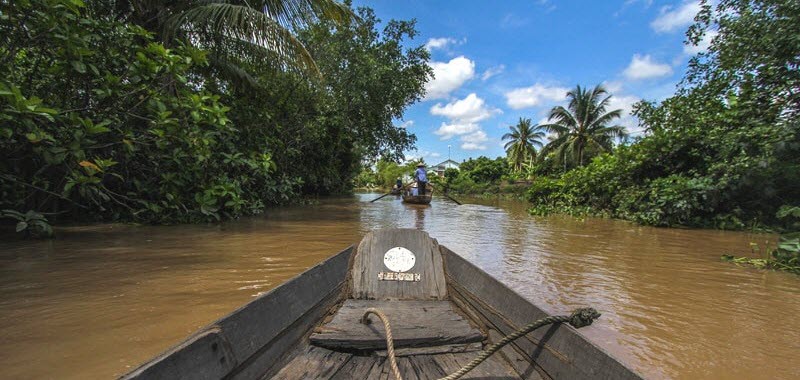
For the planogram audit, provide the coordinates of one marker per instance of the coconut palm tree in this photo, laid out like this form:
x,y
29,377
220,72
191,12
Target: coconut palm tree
x,y
583,125
522,142
257,32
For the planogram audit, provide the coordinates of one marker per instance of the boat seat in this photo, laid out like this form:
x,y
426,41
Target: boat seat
x,y
414,324
409,287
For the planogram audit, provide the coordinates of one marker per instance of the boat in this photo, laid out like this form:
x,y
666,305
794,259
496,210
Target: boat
x,y
408,196
443,312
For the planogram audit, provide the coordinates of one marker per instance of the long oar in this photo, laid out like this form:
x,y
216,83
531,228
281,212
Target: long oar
x,y
451,198
380,197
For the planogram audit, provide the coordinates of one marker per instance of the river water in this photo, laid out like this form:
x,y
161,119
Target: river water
x,y
99,300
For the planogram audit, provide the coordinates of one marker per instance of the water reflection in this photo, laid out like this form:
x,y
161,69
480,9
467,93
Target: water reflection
x,y
100,299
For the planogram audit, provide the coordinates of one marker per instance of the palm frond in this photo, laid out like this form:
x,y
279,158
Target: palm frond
x,y
216,21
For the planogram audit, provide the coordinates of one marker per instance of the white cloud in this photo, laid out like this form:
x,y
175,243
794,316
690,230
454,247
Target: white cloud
x,y
671,19
474,141
644,67
407,124
613,87
471,109
447,131
702,45
532,96
442,43
513,20
625,103
492,71
448,76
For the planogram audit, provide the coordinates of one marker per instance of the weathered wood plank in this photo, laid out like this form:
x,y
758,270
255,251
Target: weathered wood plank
x,y
368,263
414,324
250,328
493,367
425,367
205,355
561,351
274,355
358,367
520,363
443,349
313,363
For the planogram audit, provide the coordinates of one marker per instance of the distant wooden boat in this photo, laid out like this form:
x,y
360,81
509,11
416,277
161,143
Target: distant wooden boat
x,y
418,199
443,310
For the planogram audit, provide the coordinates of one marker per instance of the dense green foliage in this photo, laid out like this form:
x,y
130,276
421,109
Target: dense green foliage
x,y
479,176
100,120
386,174
724,151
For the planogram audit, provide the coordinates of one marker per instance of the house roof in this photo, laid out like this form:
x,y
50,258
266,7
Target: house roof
x,y
445,163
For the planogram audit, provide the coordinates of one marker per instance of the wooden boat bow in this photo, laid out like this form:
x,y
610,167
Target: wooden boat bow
x,y
443,311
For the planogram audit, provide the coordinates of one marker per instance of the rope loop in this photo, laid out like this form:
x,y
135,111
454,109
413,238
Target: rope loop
x,y
583,317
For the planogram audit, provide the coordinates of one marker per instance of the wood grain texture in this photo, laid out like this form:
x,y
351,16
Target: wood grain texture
x,y
492,368
321,363
560,351
442,349
368,263
414,324
313,363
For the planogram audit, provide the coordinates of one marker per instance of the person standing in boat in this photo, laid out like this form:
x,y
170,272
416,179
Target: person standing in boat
x,y
422,178
399,184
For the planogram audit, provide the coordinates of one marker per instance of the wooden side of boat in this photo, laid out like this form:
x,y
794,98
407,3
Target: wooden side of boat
x,y
442,313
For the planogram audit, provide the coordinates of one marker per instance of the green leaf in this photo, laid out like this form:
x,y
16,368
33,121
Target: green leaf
x,y
79,67
21,226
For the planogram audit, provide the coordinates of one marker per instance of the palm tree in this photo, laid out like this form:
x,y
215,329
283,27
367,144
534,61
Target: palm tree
x,y
258,32
583,125
522,140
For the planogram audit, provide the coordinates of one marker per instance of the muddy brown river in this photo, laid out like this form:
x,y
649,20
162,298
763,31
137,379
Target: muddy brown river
x,y
99,300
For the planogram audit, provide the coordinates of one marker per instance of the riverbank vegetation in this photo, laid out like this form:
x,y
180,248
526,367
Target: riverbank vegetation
x,y
191,112
723,152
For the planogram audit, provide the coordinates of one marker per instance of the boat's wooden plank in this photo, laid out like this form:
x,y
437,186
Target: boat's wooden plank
x,y
359,367
313,363
368,263
561,351
205,355
443,349
248,330
274,355
520,363
491,368
425,367
414,324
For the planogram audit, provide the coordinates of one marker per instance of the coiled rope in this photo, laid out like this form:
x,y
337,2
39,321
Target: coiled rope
x,y
579,318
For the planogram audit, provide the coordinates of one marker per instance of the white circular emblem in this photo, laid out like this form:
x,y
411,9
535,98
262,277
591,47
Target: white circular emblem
x,y
399,259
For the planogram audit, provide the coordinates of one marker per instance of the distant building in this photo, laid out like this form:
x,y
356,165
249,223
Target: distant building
x,y
439,168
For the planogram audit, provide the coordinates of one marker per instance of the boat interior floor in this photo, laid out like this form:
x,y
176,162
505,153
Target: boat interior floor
x,y
431,341
312,362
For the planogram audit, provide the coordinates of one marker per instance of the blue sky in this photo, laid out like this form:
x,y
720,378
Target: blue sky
x,y
497,61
